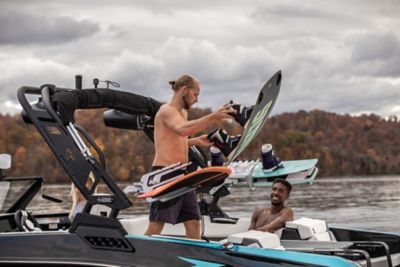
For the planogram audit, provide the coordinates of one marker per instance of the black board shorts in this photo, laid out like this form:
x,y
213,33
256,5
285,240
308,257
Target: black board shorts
x,y
176,210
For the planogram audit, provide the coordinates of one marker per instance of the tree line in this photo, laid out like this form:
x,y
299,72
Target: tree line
x,y
345,145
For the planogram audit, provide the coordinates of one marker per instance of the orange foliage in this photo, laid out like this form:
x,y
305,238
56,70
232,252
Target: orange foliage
x,y
344,145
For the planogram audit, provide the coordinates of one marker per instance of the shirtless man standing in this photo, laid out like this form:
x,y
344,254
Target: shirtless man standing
x,y
273,218
171,140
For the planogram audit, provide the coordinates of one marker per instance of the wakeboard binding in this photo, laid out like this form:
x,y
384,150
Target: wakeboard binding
x,y
242,114
270,162
222,140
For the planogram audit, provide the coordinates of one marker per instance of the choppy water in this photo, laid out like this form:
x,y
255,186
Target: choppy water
x,y
358,202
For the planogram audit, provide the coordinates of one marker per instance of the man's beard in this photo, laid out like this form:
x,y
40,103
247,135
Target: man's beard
x,y
276,203
186,103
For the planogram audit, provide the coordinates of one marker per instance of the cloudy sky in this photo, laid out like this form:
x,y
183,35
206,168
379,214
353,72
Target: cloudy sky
x,y
340,56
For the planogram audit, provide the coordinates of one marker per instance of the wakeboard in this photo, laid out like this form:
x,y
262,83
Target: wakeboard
x,y
265,102
251,173
288,167
187,183
297,178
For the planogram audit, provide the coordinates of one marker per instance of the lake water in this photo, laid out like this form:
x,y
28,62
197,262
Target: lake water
x,y
358,202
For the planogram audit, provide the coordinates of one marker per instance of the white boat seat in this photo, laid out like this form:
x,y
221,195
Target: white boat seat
x,y
305,245
310,229
256,239
279,232
213,231
314,236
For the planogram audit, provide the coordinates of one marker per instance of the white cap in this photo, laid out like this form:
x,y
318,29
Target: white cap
x,y
266,148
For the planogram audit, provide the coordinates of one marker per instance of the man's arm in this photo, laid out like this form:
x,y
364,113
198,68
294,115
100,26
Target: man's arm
x,y
254,219
174,120
201,140
279,222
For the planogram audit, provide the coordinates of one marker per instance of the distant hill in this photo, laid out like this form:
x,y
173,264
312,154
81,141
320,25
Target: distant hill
x,y
344,145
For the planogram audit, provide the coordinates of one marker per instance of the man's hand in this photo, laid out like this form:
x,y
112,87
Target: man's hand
x,y
226,110
201,140
223,116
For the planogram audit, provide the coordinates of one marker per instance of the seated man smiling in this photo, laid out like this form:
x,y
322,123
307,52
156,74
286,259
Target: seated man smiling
x,y
273,218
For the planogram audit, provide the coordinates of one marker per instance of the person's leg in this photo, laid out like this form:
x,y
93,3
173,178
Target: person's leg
x,y
135,104
190,215
67,101
124,101
192,228
154,228
161,213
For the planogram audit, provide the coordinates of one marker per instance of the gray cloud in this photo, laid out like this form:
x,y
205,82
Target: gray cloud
x,y
376,54
291,11
369,47
136,72
340,56
23,28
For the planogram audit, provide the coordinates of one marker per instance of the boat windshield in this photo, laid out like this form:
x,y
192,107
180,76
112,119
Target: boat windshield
x,y
4,187
11,191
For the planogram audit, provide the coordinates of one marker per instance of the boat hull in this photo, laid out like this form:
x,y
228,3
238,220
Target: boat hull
x,y
64,248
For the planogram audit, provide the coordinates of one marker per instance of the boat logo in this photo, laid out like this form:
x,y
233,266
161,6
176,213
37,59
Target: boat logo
x,y
105,199
70,154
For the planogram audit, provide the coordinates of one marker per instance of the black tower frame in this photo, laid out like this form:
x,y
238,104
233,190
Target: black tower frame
x,y
67,144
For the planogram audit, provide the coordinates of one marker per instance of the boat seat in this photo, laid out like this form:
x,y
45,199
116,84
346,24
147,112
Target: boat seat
x,y
213,231
305,245
255,238
307,229
312,235
26,222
